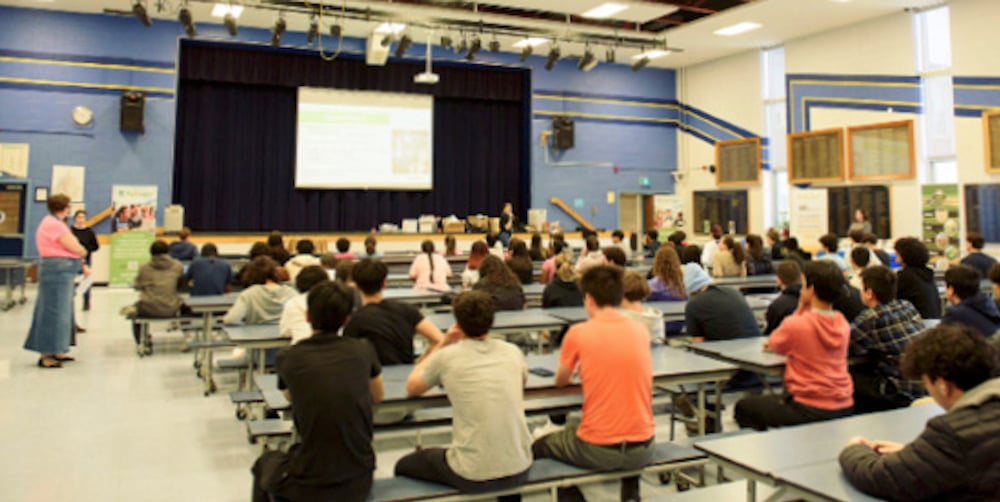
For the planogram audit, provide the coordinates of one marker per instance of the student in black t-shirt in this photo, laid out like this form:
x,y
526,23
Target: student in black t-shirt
x,y
387,324
333,382
88,240
790,281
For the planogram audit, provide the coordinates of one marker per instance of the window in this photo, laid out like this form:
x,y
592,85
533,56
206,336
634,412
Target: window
x,y
933,39
932,43
774,183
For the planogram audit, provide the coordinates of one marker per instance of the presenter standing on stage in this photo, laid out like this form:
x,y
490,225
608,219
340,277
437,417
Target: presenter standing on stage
x,y
60,254
506,223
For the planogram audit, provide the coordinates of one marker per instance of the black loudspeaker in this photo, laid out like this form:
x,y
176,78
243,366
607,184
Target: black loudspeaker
x,y
562,133
133,104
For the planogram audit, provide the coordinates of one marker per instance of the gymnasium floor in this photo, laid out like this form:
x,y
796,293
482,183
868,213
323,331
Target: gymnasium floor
x,y
111,426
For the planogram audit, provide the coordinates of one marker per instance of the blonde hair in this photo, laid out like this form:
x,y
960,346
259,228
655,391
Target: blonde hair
x,y
667,268
564,267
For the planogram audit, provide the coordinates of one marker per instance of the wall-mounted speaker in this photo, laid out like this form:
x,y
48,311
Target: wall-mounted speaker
x,y
132,105
562,133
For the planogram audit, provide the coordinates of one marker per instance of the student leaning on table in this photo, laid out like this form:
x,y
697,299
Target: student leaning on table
x,y
957,456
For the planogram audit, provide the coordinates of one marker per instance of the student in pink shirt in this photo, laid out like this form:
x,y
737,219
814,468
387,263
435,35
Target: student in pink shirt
x,y
60,252
815,340
429,269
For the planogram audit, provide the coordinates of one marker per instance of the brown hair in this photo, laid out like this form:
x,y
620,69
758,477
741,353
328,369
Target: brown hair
x,y
478,251
667,267
739,256
57,202
184,233
261,270
493,270
636,287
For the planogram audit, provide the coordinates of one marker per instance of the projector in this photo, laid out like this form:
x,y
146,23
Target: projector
x,y
426,78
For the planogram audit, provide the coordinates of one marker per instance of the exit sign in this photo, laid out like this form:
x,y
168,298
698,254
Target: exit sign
x,y
645,182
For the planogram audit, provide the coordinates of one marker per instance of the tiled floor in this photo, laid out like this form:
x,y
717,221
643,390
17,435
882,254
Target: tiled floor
x,y
113,427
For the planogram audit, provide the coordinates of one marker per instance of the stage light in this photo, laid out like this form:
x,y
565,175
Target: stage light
x,y
609,55
230,22
313,32
525,52
139,11
404,43
550,60
494,44
474,47
278,30
588,61
446,42
640,63
184,16
462,45
335,30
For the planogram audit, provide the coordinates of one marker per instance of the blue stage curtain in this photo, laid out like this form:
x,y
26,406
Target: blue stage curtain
x,y
234,159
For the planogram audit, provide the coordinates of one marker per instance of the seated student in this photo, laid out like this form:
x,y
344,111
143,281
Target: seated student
x,y
829,244
537,251
881,332
257,249
957,456
775,244
969,306
636,290
859,259
389,325
520,261
677,238
915,280
650,243
484,379
871,242
758,259
182,249
591,256
329,263
497,280
495,250
792,251
334,382
294,323
616,431
157,283
429,269
711,247
562,290
691,254
977,259
618,241
450,248
276,248
344,250
667,284
470,275
344,275
304,258
995,279
729,260
556,248
790,281
208,274
715,312
264,298
815,339
613,255
370,248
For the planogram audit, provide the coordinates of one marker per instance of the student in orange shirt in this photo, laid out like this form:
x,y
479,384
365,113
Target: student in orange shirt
x,y
611,355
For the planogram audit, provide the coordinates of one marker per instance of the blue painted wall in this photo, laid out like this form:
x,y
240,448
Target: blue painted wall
x,y
51,62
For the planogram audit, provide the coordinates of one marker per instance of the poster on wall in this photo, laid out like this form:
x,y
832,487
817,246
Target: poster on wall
x,y
941,224
133,230
14,159
668,214
68,180
808,215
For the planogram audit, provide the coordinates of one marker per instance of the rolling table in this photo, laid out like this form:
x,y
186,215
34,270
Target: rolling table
x,y
771,456
748,282
14,272
256,339
506,322
413,296
207,307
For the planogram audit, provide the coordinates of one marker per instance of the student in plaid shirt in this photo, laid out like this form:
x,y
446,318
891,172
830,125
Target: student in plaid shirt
x,y
881,332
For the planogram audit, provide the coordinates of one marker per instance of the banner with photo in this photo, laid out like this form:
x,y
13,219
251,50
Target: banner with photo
x,y
941,224
668,214
133,228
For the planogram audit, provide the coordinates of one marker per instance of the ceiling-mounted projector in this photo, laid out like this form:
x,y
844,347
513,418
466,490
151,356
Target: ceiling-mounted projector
x,y
426,78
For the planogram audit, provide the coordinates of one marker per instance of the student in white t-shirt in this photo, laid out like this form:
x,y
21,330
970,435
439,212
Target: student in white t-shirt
x,y
293,323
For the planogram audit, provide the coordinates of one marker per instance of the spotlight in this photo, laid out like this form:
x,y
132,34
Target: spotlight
x,y
553,56
588,61
184,16
525,52
474,47
404,43
230,22
446,42
494,45
640,63
278,30
139,11
386,40
462,45
313,32
609,55
335,30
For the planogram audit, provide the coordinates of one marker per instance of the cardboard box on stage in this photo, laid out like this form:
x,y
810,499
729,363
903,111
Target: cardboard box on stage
x,y
454,227
478,223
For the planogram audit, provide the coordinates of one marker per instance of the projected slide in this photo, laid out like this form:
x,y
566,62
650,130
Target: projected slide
x,y
364,140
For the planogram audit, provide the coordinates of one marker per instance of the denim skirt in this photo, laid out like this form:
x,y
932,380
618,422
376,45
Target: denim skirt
x,y
52,325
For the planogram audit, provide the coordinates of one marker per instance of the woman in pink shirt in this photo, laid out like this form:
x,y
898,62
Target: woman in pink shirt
x,y
429,269
60,253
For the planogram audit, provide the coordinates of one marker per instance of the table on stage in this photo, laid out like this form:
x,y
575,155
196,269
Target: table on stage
x,y
801,461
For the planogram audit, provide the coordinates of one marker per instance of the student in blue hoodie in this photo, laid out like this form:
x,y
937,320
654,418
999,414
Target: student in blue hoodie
x,y
969,306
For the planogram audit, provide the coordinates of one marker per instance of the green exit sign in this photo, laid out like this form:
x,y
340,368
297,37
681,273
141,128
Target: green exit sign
x,y
645,182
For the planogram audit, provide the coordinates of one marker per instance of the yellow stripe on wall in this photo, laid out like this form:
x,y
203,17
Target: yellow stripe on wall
x,y
80,64
58,83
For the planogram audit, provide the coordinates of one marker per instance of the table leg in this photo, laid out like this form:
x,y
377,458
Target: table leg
x,y
751,490
10,289
206,361
702,411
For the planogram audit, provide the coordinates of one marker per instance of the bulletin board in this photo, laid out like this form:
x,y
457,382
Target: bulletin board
x,y
816,156
882,151
737,162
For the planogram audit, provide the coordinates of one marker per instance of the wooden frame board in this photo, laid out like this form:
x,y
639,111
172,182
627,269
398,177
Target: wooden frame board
x,y
802,138
738,144
901,168
991,140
